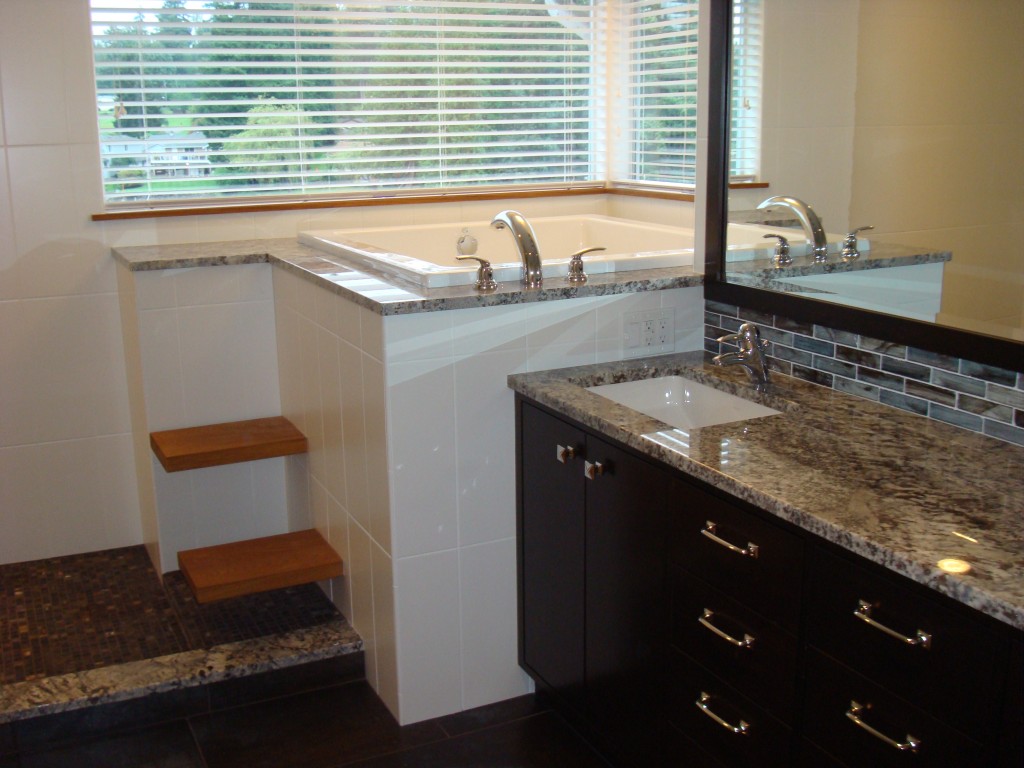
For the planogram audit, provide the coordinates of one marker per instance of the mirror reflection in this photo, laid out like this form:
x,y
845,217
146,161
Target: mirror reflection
x,y
900,115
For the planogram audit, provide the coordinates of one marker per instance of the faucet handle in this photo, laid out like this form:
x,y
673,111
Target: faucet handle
x,y
850,251
781,257
576,275
484,274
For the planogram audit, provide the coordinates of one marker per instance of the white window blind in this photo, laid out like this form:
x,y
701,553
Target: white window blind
x,y
745,102
201,99
662,65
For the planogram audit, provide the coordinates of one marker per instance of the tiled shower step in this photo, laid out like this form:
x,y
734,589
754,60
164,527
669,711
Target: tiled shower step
x,y
80,705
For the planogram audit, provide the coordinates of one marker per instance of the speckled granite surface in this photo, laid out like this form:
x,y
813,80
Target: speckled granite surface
x,y
895,488
388,295
122,682
760,273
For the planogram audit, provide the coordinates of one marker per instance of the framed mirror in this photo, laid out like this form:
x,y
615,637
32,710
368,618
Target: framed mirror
x,y
901,115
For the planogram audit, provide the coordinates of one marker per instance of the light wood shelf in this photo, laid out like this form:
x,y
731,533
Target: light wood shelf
x,y
258,565
228,443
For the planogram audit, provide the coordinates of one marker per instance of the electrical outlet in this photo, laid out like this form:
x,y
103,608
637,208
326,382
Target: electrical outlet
x,y
648,332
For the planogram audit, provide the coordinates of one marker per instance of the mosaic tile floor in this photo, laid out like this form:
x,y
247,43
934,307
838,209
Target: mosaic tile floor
x,y
81,612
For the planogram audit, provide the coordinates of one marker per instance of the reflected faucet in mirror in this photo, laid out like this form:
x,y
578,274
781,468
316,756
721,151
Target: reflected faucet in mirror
x,y
808,220
526,244
751,355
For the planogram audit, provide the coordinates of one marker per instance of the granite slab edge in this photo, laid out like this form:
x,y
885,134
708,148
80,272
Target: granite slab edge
x,y
122,682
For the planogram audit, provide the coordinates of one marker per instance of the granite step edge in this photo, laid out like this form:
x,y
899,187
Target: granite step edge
x,y
123,682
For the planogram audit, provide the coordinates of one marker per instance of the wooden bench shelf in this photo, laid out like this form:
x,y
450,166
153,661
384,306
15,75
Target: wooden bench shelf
x,y
258,565
235,441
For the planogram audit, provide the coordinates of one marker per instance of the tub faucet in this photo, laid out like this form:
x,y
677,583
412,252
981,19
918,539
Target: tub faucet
x,y
751,355
808,219
526,243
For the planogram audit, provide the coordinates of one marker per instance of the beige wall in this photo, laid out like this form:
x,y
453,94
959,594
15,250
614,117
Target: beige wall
x,y
939,149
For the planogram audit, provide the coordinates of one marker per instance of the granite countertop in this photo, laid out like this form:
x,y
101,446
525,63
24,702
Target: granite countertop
x,y
761,273
382,293
898,489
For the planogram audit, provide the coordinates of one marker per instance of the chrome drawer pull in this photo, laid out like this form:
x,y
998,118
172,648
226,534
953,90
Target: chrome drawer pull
x,y
702,704
854,713
919,640
593,469
705,621
709,531
564,453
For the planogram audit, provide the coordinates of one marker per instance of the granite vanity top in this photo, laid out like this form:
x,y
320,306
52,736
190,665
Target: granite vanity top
x,y
898,489
386,294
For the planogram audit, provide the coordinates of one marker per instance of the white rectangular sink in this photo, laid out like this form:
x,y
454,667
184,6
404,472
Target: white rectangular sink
x,y
681,402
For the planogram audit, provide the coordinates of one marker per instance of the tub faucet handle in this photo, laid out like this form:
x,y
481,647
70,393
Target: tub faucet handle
x,y
850,251
576,275
781,257
484,274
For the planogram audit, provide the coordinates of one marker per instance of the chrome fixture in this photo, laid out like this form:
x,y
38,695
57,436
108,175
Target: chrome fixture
x,y
484,274
576,275
750,356
526,243
808,219
850,251
781,258
466,245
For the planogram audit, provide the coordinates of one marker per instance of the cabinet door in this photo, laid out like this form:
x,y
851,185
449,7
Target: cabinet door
x,y
550,552
626,598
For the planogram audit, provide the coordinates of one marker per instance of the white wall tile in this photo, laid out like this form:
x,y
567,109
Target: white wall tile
x,y
354,432
384,650
377,460
32,65
421,336
485,459
337,537
155,289
330,404
359,570
487,583
47,486
161,369
427,610
422,452
229,362
58,354
268,479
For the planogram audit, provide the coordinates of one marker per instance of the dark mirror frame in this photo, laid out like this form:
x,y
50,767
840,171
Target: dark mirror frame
x,y
980,348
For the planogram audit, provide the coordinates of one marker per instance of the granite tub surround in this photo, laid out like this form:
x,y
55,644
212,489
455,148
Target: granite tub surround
x,y
173,672
382,293
937,504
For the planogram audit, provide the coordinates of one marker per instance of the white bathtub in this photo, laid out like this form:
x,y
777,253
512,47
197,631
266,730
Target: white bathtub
x,y
425,254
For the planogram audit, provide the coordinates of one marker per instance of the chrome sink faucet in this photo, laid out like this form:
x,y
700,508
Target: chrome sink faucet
x,y
526,244
751,354
808,220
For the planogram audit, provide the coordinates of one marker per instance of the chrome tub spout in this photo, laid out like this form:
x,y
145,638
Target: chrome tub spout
x,y
526,244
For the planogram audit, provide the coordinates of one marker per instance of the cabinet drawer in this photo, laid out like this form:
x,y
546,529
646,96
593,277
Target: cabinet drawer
x,y
829,706
758,658
764,742
753,561
955,678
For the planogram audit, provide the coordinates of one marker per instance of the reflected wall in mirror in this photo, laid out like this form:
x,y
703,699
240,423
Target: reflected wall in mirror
x,y
902,114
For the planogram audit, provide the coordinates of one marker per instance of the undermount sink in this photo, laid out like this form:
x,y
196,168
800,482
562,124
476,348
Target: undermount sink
x,y
681,402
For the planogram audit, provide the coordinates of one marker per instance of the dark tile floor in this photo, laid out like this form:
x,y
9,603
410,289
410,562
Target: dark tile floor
x,y
70,614
343,725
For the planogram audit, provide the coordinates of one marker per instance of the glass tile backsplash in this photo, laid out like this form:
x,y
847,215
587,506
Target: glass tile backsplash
x,y
970,395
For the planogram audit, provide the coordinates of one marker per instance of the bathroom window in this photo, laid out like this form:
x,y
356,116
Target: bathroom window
x,y
215,101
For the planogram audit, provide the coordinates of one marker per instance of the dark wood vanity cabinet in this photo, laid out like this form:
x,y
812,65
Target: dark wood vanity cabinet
x,y
680,626
592,585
